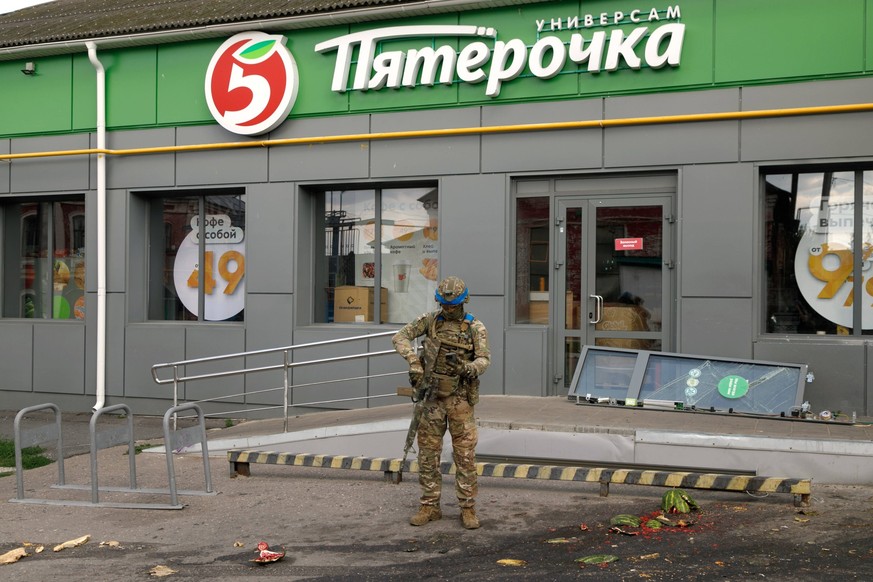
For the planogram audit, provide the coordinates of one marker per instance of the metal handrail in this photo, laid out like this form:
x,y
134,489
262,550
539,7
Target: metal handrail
x,y
285,366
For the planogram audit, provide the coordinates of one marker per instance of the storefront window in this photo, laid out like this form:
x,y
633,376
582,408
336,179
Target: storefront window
x,y
819,242
402,223
44,260
532,260
178,289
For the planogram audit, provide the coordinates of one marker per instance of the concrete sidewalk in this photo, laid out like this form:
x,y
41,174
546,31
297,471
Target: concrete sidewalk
x,y
557,429
557,414
551,427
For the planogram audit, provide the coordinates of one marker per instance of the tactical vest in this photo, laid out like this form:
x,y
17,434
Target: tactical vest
x,y
445,337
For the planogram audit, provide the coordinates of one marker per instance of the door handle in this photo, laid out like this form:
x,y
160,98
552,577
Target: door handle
x,y
597,314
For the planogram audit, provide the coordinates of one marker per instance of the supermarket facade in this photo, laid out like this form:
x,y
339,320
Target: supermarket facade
x,y
687,176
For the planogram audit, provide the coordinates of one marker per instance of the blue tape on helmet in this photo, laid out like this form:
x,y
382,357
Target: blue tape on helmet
x,y
456,301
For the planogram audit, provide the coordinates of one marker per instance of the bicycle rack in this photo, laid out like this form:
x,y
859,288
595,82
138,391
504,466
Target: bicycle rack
x,y
175,440
34,436
103,440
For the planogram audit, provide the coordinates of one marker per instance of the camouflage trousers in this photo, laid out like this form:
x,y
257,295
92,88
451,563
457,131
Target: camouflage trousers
x,y
455,414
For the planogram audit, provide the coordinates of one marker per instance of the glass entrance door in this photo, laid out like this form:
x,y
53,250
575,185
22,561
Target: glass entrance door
x,y
614,275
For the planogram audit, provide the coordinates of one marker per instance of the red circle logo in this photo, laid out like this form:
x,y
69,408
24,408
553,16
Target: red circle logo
x,y
251,83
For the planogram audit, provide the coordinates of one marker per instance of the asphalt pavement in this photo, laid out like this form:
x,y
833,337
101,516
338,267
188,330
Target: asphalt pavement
x,y
337,524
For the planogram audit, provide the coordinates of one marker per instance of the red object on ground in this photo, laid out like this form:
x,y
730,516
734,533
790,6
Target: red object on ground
x,y
266,555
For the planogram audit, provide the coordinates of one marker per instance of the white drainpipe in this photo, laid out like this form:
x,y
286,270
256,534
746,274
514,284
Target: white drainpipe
x,y
100,391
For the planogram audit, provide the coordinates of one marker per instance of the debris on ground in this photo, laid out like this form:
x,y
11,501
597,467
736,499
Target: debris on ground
x,y
678,501
13,556
597,559
161,571
72,543
266,555
625,519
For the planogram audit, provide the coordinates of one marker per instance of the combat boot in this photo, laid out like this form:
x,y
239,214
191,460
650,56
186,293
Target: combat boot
x,y
468,518
425,514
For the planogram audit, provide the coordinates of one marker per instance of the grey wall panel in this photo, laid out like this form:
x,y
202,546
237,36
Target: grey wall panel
x,y
819,136
62,173
810,94
331,371
716,326
140,170
60,351
16,365
147,345
215,340
490,311
807,137
4,167
839,383
231,166
717,221
473,230
115,342
428,155
269,324
307,208
389,364
318,161
666,104
137,258
269,238
116,235
868,384
542,150
526,364
687,143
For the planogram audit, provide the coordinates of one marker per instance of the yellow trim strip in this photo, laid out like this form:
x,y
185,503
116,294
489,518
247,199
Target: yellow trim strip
x,y
458,131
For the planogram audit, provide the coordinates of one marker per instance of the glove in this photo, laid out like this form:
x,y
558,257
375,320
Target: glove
x,y
468,370
416,373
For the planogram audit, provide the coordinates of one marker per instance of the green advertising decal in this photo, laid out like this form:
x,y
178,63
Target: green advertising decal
x,y
733,387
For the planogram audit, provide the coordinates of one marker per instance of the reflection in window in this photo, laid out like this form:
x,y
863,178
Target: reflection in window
x,y
178,289
402,224
532,260
44,260
819,242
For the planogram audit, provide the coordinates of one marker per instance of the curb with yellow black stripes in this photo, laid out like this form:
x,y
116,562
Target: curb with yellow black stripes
x,y
240,461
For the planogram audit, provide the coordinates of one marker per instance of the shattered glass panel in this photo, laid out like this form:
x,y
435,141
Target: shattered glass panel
x,y
662,380
757,388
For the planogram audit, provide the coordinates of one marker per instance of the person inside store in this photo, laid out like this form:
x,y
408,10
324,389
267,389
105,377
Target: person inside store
x,y
446,375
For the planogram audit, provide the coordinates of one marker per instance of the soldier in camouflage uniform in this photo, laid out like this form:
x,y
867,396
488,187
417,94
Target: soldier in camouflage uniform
x,y
455,353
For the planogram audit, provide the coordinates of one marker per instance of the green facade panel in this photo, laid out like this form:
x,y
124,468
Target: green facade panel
x,y
38,103
726,43
784,39
131,94
868,36
181,76
315,71
130,89
406,97
84,94
695,70
521,22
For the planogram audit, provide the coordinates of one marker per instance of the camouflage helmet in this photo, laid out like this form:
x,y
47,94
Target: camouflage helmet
x,y
451,291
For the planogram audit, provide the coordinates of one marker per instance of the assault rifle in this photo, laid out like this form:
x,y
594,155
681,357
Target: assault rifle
x,y
421,393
